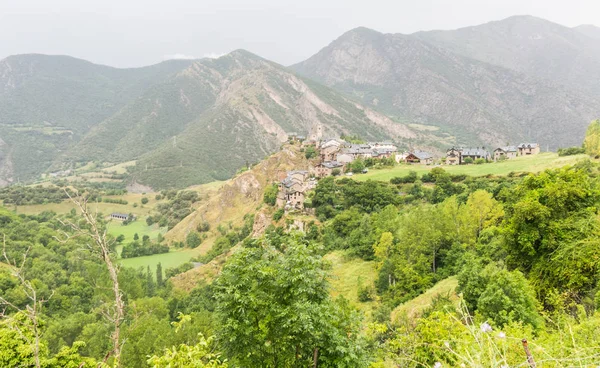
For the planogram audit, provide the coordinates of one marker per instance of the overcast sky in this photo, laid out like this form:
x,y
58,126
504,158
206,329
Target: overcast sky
x,y
127,33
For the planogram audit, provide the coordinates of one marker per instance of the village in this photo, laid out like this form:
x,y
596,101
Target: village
x,y
336,157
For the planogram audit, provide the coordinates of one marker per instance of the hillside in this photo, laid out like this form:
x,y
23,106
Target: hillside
x,y
48,103
234,199
184,122
589,30
530,45
216,116
478,102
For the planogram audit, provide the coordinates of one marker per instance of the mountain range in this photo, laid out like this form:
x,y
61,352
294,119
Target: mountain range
x,y
193,121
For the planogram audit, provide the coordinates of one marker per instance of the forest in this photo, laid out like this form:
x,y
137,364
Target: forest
x,y
524,250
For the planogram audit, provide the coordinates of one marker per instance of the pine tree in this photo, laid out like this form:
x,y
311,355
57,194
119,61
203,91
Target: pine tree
x,y
159,275
150,285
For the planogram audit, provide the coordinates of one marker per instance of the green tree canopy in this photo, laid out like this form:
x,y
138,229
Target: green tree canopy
x,y
591,141
276,311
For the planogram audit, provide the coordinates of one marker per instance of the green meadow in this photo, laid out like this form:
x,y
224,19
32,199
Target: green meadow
x,y
167,260
536,163
138,226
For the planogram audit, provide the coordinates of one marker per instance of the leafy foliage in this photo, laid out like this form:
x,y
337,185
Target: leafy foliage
x,y
275,310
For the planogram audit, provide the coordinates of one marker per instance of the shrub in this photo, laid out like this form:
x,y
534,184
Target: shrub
x,y
411,177
203,227
310,152
570,151
270,196
193,240
278,214
480,161
468,160
144,200
366,294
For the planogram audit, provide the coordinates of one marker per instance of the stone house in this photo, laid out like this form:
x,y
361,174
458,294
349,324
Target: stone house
x,y
344,158
388,146
419,157
526,149
474,154
507,151
453,156
329,149
326,168
292,189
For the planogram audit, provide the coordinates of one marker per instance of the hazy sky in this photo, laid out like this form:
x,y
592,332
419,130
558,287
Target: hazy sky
x,y
129,33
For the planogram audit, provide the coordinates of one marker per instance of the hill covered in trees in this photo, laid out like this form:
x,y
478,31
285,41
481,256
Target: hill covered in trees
x,y
521,251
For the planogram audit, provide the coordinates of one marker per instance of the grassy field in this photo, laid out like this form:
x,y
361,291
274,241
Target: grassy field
x,y
348,275
138,226
105,208
413,308
534,164
172,259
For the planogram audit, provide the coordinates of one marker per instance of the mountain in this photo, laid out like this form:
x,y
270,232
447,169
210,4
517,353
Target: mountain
x,y
47,103
217,116
589,30
530,45
418,81
184,122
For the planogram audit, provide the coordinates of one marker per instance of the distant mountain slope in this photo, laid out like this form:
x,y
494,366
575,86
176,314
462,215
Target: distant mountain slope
x,y
589,30
530,45
185,122
414,80
218,115
48,103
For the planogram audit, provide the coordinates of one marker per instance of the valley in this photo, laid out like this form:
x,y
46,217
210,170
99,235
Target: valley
x,y
395,200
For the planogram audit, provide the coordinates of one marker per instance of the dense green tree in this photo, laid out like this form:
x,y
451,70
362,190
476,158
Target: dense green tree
x,y
310,152
193,240
270,196
150,284
591,142
159,275
275,311
552,231
499,295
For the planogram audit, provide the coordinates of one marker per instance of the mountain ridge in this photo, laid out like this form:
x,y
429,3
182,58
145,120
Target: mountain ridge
x,y
415,80
198,120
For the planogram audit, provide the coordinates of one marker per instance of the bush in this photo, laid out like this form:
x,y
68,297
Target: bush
x,y
270,196
457,177
144,200
480,161
468,160
278,214
570,151
172,271
336,172
366,294
203,227
411,177
193,240
310,152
